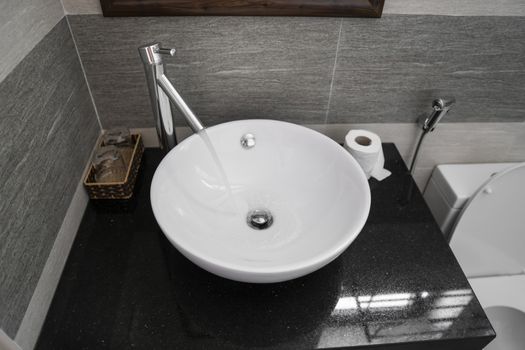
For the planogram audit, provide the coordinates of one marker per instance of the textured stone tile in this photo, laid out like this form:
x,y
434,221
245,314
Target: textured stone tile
x,y
226,68
470,143
23,23
517,154
390,69
82,7
407,7
467,143
421,177
36,312
48,128
7,343
455,8
517,150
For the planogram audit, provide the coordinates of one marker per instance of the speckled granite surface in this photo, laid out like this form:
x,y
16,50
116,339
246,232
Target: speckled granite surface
x,y
398,286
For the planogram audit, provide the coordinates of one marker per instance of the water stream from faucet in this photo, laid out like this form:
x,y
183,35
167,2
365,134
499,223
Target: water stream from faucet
x,y
223,177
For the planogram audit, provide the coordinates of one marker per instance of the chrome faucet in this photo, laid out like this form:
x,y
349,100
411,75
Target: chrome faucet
x,y
160,98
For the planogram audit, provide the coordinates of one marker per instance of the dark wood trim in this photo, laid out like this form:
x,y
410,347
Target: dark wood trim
x,y
331,8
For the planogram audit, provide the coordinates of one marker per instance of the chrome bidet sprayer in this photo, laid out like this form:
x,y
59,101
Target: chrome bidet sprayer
x,y
440,108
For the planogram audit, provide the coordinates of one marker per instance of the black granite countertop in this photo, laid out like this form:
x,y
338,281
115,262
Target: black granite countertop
x,y
397,286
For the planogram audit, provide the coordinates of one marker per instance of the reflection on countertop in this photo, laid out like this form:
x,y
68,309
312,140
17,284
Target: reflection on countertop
x,y
397,286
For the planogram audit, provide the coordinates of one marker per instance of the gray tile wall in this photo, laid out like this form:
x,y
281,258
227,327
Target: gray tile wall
x,y
448,7
386,70
403,7
389,70
75,7
48,128
226,67
23,23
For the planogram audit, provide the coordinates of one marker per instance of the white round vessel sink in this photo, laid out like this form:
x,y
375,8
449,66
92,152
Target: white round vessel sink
x,y
260,201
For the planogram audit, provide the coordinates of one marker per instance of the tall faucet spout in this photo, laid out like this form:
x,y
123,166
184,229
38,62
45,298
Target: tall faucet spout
x,y
151,56
192,120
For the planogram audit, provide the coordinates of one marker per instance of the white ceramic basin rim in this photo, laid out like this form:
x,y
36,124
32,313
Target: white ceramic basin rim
x,y
315,190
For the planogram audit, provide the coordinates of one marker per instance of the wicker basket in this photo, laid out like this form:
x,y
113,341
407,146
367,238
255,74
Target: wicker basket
x,y
117,190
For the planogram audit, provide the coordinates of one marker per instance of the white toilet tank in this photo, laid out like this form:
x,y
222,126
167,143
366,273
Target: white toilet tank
x,y
485,206
452,185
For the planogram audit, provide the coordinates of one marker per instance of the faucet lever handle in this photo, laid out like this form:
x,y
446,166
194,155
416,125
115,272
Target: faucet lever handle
x,y
166,51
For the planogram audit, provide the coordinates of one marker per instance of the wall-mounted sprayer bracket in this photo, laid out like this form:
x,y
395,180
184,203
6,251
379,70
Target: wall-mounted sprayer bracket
x,y
440,107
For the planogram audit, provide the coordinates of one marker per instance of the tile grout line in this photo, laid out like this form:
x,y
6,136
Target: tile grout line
x,y
63,7
83,70
333,71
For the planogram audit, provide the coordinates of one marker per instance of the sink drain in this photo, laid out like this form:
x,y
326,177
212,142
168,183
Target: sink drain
x,y
259,219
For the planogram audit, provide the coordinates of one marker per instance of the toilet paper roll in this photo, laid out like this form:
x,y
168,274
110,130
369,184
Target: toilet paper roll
x,y
366,148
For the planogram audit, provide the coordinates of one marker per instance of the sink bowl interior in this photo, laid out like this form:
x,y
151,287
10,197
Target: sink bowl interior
x,y
205,188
